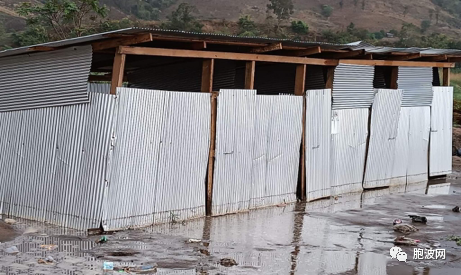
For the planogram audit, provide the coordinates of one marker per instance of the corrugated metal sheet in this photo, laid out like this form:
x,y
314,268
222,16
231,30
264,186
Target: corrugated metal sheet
x,y
384,125
353,86
411,151
416,83
315,79
441,131
257,150
46,79
318,139
160,146
54,160
103,88
348,146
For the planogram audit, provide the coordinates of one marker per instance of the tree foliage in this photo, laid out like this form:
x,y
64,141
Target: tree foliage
x,y
183,19
283,9
327,10
61,19
425,25
299,27
247,26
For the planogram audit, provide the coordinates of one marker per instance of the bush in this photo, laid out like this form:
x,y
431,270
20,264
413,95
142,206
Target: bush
x,y
425,25
247,27
299,27
327,10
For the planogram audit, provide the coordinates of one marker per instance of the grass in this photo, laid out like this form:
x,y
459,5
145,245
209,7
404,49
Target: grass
x,y
456,83
456,239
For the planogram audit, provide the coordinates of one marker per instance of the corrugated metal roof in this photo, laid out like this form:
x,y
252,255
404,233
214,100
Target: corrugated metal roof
x,y
359,45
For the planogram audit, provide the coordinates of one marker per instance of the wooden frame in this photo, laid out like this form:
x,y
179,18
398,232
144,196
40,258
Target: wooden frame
x,y
446,76
250,75
118,71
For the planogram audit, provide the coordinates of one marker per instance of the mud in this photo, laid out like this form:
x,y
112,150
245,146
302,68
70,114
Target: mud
x,y
349,234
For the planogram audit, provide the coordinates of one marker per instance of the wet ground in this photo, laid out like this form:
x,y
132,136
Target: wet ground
x,y
350,234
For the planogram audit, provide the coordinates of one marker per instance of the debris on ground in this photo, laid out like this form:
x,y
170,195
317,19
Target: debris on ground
x,y
12,250
204,252
405,228
126,253
456,239
31,230
49,246
47,260
402,240
102,240
416,218
194,241
108,266
145,269
228,262
10,221
456,209
397,221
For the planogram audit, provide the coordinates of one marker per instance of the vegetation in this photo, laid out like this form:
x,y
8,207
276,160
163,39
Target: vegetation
x,y
299,27
425,25
283,9
247,27
183,18
327,10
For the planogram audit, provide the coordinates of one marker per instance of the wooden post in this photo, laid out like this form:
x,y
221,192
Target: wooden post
x,y
207,87
394,77
250,75
118,71
300,84
207,75
330,78
446,76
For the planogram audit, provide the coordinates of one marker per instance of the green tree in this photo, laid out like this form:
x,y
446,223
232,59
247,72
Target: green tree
x,y
363,4
405,10
425,25
351,28
299,27
32,35
327,10
247,27
283,9
183,19
62,18
341,4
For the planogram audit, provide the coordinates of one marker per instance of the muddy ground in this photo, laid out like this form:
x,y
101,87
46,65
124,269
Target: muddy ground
x,y
350,234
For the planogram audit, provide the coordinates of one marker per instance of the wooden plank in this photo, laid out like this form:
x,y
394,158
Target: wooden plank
x,y
306,52
41,49
207,75
302,188
250,75
397,63
211,156
198,45
270,48
405,57
123,41
394,77
454,59
435,58
300,80
446,76
208,41
118,71
330,78
346,55
225,56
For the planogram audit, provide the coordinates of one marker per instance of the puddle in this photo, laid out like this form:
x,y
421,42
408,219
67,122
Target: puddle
x,y
348,234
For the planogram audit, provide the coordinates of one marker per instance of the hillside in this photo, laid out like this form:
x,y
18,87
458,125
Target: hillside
x,y
373,15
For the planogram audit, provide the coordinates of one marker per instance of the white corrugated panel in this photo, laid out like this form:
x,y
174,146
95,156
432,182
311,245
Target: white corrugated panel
x,y
441,131
103,88
411,150
45,79
348,146
317,143
416,83
353,86
257,150
159,158
54,161
384,125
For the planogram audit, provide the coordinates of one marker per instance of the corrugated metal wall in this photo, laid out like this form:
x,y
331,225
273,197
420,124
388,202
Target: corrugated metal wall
x,y
348,146
416,83
159,158
353,86
46,79
315,78
103,88
383,133
441,131
53,162
411,151
318,139
257,150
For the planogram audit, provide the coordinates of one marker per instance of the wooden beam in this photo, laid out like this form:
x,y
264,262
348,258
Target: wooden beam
x,y
207,75
250,75
394,78
346,54
306,52
41,49
435,58
225,56
454,59
446,76
270,48
406,57
330,78
123,41
300,80
208,41
211,156
118,71
198,45
397,63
